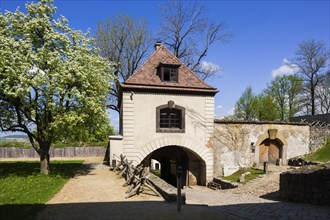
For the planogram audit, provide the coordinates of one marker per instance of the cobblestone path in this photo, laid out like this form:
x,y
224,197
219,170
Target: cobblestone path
x,y
256,200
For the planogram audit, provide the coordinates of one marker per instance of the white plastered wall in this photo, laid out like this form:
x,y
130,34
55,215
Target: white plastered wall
x,y
139,126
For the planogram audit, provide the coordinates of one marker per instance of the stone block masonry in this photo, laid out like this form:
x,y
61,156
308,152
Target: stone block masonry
x,y
306,185
225,184
318,137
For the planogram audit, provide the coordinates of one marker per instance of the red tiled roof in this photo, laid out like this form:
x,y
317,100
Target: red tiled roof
x,y
145,76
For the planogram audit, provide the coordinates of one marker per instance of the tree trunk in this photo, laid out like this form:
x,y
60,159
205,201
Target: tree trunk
x,y
312,89
44,161
313,99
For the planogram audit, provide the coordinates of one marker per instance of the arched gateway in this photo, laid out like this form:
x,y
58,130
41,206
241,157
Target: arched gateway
x,y
167,115
174,151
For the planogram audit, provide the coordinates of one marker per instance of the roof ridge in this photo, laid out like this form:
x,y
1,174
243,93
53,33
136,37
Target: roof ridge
x,y
141,65
185,66
168,85
145,74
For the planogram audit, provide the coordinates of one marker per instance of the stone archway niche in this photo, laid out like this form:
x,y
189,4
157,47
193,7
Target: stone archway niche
x,y
272,146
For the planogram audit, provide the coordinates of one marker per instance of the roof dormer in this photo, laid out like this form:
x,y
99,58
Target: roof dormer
x,y
164,72
168,72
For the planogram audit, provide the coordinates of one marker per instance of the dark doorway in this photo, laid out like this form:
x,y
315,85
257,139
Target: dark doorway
x,y
171,157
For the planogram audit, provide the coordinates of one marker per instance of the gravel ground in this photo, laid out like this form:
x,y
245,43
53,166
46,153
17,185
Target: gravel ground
x,y
264,185
97,193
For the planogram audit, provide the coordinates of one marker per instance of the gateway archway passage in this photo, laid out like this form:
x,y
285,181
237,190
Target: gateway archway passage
x,y
171,157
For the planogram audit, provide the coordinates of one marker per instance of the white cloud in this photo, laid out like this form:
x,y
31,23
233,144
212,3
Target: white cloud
x,y
231,111
209,67
217,111
285,69
219,107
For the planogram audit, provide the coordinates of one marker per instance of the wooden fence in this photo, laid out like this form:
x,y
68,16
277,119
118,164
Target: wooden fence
x,y
15,152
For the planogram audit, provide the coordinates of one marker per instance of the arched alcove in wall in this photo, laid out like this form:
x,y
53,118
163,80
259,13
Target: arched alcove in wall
x,y
272,147
270,151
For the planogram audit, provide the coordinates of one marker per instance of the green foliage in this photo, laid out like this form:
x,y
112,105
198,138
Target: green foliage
x,y
246,106
235,176
21,194
25,145
321,155
51,78
156,172
266,108
285,91
80,144
279,101
89,131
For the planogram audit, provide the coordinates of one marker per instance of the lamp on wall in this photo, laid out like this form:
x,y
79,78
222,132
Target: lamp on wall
x,y
253,147
131,96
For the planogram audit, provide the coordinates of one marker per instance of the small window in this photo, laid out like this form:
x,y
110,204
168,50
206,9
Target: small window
x,y
168,73
170,118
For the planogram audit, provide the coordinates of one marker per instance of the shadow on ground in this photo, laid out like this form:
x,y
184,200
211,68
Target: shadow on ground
x,y
165,210
119,210
274,196
85,169
65,169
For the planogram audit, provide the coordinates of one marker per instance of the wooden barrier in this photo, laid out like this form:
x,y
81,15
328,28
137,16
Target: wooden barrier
x,y
15,152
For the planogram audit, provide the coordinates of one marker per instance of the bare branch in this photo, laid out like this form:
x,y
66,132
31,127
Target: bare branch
x,y
189,34
311,58
125,42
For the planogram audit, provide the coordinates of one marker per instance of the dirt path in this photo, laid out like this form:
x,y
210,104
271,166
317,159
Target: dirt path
x,y
97,193
96,183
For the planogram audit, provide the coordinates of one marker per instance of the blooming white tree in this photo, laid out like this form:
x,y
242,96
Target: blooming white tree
x,y
50,76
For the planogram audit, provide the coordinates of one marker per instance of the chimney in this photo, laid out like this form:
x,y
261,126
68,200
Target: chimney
x,y
157,45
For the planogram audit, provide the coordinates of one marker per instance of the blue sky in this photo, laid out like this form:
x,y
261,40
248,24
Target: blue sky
x,y
266,33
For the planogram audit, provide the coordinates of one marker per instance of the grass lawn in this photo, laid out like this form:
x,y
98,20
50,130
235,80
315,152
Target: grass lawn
x,y
320,155
235,176
24,191
156,172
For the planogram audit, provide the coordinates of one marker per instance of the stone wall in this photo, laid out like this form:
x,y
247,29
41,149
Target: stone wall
x,y
306,185
318,137
168,192
236,143
225,184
